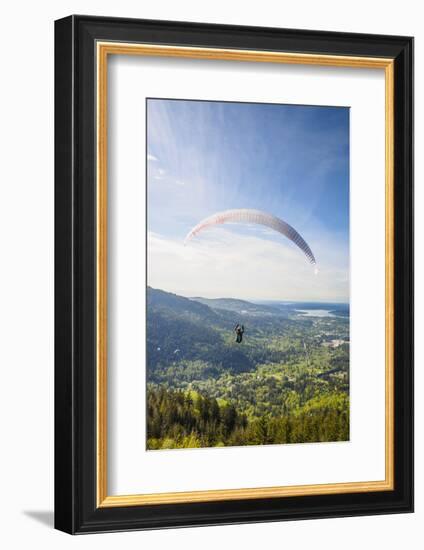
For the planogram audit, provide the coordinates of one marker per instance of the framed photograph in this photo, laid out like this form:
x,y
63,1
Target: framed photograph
x,y
234,274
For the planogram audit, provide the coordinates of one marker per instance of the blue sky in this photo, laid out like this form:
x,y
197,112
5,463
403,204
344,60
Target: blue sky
x,y
291,161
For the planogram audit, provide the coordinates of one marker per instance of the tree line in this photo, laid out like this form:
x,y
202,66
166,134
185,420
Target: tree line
x,y
183,419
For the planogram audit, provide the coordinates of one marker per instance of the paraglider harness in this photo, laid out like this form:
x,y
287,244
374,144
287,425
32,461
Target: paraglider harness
x,y
239,330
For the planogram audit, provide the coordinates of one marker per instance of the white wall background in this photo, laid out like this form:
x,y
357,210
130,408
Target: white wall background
x,y
26,274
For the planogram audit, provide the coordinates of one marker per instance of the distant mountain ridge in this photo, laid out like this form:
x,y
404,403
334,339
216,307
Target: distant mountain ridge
x,y
242,307
159,299
185,329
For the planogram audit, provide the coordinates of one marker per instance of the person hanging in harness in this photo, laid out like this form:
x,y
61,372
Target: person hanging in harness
x,y
239,330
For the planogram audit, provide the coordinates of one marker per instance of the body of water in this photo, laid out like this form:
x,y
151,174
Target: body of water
x,y
315,313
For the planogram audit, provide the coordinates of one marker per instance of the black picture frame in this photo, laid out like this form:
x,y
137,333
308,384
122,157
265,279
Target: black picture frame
x,y
76,510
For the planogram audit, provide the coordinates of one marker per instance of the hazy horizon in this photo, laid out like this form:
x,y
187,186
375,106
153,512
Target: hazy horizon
x,y
252,300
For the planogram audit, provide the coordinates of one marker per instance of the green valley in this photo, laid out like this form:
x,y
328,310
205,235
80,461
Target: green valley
x,y
287,382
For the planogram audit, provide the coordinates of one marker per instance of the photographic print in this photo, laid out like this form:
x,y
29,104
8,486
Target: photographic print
x,y
214,266
247,274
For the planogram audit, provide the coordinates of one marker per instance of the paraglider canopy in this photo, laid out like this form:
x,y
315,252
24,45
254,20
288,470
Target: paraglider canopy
x,y
245,215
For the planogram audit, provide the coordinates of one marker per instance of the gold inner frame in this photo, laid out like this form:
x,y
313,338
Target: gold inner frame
x,y
104,49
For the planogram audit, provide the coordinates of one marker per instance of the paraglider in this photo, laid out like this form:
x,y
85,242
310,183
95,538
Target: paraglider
x,y
239,330
250,216
245,215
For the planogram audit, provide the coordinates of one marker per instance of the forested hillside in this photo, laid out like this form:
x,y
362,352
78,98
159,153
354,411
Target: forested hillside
x,y
287,382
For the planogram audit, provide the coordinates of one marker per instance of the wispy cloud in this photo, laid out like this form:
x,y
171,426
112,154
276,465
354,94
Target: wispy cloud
x,y
151,158
227,263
